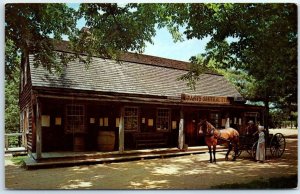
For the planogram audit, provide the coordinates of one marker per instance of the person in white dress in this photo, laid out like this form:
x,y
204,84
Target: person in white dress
x,y
260,150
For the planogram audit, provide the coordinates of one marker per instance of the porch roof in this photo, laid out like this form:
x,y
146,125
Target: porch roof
x,y
158,78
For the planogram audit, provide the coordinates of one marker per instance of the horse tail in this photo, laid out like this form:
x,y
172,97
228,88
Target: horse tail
x,y
236,137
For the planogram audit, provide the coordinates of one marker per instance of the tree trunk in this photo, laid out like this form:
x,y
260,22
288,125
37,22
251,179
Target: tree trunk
x,y
267,109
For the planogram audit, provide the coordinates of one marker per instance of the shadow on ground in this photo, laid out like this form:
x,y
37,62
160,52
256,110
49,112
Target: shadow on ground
x,y
186,172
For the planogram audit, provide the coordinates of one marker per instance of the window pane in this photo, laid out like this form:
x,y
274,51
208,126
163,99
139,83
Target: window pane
x,y
74,119
162,120
131,119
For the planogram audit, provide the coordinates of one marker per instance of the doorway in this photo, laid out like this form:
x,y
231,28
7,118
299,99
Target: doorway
x,y
192,118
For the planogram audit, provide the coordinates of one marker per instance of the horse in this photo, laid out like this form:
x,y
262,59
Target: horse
x,y
212,135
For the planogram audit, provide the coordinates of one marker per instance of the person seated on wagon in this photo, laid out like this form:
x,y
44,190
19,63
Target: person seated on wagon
x,y
251,129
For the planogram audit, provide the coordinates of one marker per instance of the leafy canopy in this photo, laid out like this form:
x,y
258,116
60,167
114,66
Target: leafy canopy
x,y
259,40
112,27
264,46
30,28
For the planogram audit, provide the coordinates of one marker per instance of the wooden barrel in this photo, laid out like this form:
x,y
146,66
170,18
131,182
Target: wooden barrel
x,y
78,144
106,140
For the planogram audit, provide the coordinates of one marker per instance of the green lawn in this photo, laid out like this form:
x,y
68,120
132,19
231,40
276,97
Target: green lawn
x,y
18,160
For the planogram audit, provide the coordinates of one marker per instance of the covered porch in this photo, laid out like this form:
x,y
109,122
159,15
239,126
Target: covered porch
x,y
75,126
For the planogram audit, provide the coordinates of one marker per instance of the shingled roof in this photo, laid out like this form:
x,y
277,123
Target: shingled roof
x,y
132,77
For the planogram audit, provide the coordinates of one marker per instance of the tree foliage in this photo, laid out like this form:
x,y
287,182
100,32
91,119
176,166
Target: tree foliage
x,y
110,29
30,28
264,44
256,43
243,82
256,40
12,113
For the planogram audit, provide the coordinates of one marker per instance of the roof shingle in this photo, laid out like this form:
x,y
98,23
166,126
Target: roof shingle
x,y
105,75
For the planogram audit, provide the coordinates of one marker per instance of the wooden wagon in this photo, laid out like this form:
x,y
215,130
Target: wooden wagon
x,y
275,143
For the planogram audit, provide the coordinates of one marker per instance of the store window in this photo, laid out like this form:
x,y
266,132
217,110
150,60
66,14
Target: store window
x,y
163,119
131,119
214,119
75,115
103,122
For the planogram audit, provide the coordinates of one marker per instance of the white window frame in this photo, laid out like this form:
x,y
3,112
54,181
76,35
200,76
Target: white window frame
x,y
127,118
159,118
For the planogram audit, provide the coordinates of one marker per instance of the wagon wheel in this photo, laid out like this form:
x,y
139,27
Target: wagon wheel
x,y
249,145
240,150
246,148
253,150
277,145
249,151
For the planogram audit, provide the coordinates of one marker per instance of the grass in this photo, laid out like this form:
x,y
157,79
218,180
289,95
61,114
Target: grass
x,y
289,182
19,160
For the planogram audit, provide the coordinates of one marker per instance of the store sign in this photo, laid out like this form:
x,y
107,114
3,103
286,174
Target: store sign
x,y
204,99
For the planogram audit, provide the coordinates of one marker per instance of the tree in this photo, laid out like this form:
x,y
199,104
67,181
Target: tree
x,y
12,114
262,37
258,39
38,28
110,29
30,26
239,78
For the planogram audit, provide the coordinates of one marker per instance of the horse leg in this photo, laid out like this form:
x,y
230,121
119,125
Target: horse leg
x,y
236,150
209,148
214,152
229,150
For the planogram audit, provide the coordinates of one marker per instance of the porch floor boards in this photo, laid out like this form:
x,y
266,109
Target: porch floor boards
x,y
59,159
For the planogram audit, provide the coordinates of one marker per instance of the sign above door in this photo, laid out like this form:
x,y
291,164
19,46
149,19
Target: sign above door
x,y
204,99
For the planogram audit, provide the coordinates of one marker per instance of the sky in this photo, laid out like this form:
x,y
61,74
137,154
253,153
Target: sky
x,y
164,46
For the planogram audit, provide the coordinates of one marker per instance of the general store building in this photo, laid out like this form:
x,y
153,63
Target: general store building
x,y
137,103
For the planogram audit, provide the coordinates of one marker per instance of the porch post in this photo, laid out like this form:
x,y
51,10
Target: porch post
x,y
181,131
38,130
121,131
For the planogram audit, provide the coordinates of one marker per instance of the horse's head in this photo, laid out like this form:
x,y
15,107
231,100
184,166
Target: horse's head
x,y
202,127
205,128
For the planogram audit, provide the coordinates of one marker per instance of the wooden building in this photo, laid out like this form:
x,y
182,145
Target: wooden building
x,y
133,104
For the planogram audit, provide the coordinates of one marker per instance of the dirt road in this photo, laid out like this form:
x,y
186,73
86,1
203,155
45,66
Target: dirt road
x,y
187,172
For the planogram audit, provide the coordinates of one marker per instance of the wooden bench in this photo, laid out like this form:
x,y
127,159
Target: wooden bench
x,y
148,139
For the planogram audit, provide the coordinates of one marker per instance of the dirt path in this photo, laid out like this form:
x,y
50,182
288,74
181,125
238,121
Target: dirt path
x,y
187,172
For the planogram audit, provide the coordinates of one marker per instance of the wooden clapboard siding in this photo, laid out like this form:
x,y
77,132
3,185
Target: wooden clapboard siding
x,y
142,81
25,101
